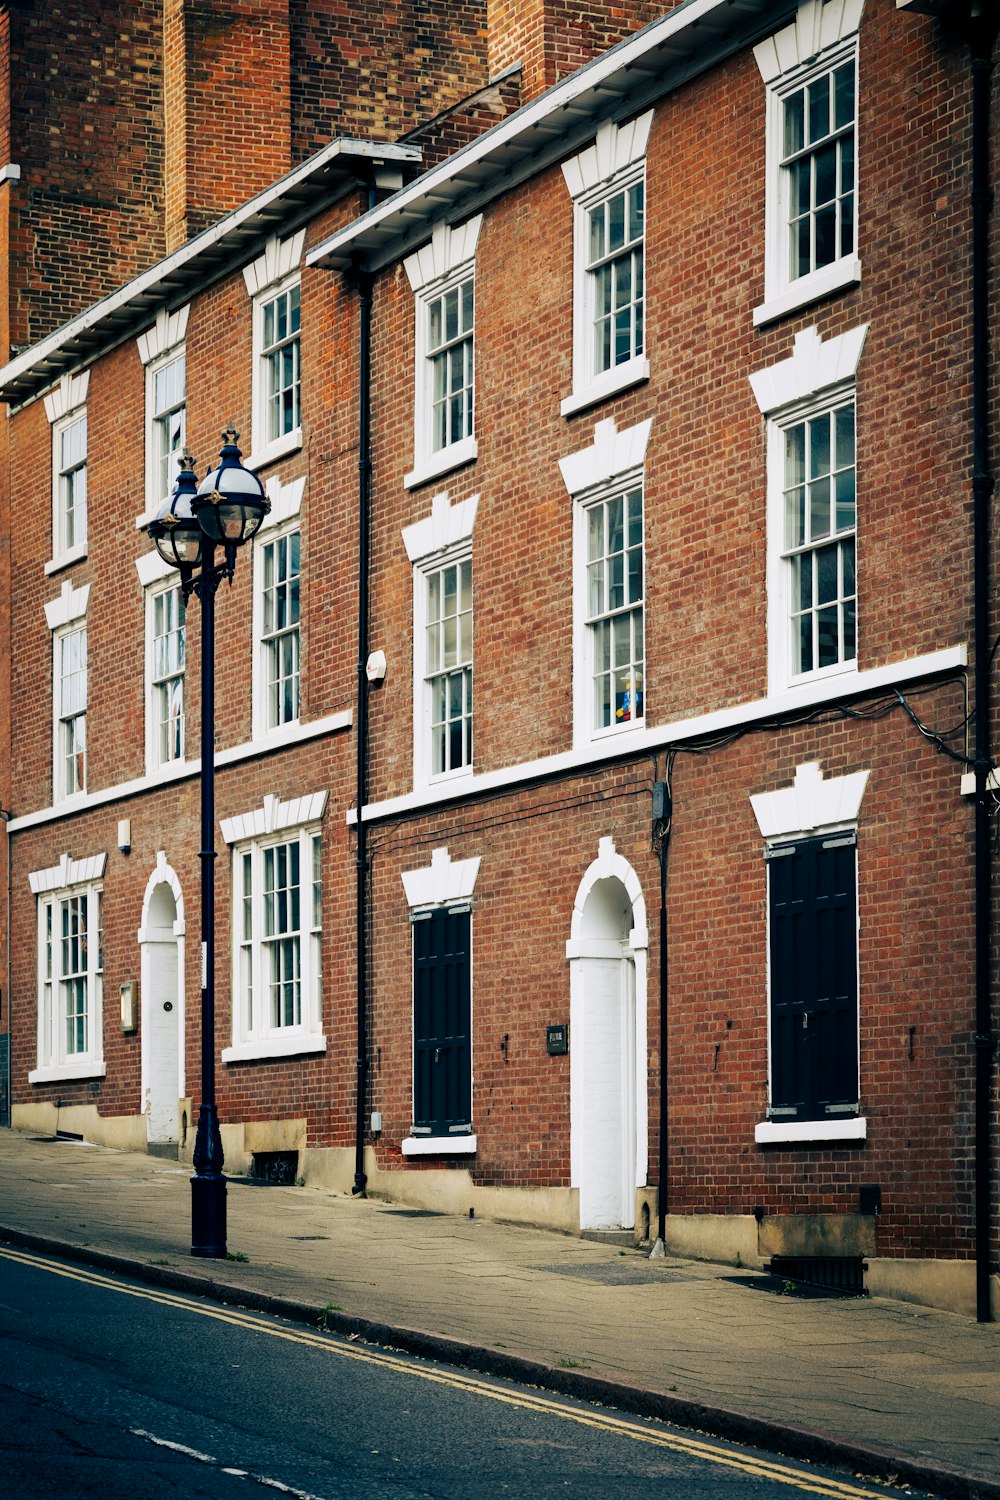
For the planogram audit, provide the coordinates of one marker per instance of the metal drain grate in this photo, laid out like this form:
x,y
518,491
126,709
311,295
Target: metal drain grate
x,y
830,1273
274,1168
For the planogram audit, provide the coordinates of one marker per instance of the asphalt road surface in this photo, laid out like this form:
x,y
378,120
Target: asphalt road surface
x,y
114,1391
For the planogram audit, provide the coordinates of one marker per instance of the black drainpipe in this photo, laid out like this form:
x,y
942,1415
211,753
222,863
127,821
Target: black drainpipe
x,y
982,34
662,818
363,281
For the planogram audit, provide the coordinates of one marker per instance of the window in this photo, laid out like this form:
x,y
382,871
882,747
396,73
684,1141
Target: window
x,y
810,69
161,349
70,970
167,423
442,1044
65,407
449,357
615,249
71,711
71,483
811,833
812,508
614,607
274,282
442,276
440,900
608,187
609,659
167,630
817,167
820,518
277,930
280,370
278,568
448,663
66,617
440,548
812,914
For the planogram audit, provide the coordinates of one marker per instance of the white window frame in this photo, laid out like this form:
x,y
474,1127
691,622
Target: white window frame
x,y
274,273
812,805
613,163
159,347
613,465
281,522
445,882
822,38
445,264
70,880
65,616
820,376
156,758
251,835
441,540
156,576
65,407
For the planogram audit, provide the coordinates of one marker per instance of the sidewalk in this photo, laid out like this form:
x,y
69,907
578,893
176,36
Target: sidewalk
x,y
888,1388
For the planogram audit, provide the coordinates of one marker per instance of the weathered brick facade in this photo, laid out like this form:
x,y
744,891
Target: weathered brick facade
x,y
552,861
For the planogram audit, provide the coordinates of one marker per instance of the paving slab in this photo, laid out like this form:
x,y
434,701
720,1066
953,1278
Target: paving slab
x,y
890,1388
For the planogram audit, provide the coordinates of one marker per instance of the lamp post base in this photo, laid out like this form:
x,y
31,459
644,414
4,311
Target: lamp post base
x,y
208,1189
208,1216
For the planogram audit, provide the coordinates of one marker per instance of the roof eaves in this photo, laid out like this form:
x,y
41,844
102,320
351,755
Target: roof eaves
x,y
230,241
692,37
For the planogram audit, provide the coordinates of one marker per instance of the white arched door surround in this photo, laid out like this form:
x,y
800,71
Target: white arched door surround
x,y
161,987
607,952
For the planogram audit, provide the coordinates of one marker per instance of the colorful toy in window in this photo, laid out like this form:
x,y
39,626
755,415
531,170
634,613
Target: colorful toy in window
x,y
630,706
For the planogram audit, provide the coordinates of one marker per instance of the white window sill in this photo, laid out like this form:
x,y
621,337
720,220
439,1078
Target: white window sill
x,y
60,1072
608,384
615,734
439,1145
68,801
72,555
804,682
170,769
807,1132
442,462
275,737
289,442
262,1048
822,283
424,781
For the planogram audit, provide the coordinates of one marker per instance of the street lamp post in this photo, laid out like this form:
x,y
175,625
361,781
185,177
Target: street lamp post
x,y
225,510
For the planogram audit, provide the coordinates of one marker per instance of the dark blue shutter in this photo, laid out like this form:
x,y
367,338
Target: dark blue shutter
x,y
814,978
442,1063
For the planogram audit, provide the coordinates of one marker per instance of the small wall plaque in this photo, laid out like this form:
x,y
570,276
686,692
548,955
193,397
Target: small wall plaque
x,y
557,1040
128,994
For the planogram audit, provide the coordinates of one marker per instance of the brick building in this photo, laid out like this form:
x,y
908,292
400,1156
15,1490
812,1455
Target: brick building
x,y
622,361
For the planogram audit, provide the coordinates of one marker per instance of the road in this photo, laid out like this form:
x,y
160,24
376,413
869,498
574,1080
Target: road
x,y
113,1390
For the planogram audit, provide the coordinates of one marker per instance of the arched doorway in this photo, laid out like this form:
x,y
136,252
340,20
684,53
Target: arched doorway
x,y
608,1111
161,940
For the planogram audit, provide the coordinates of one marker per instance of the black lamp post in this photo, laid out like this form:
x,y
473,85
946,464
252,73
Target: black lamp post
x,y
225,510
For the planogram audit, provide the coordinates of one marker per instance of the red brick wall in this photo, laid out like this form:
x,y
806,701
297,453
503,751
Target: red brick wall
x,y
86,129
227,107
552,38
373,68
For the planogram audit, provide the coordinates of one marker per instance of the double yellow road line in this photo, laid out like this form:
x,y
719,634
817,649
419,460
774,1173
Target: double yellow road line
x,y
600,1420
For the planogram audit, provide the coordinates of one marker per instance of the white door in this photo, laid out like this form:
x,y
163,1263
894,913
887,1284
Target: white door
x,y
161,1019
603,1043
